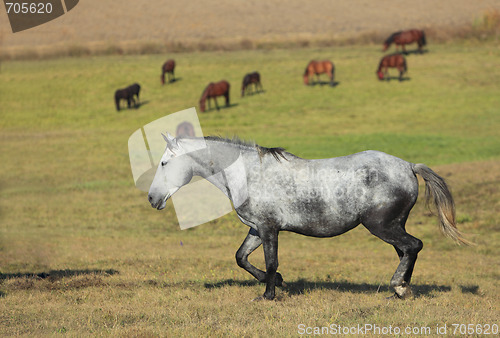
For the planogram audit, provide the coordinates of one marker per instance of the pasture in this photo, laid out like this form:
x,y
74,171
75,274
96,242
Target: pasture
x,y
83,253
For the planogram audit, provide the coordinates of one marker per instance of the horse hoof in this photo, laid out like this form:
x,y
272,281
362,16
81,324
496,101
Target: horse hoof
x,y
279,280
402,292
395,296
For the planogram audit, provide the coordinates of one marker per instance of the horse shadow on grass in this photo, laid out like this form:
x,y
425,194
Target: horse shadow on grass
x,y
221,107
140,104
255,93
416,52
137,105
177,79
55,275
325,83
390,78
300,286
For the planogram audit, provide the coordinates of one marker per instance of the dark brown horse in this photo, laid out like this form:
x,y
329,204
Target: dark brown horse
x,y
213,90
248,80
128,95
391,61
168,67
406,37
319,67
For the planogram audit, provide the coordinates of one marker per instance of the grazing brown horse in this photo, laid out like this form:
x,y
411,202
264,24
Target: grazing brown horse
x,y
392,61
406,37
213,90
168,67
319,67
248,80
185,129
127,94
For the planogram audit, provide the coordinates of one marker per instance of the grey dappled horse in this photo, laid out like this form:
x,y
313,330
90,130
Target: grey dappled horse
x,y
273,190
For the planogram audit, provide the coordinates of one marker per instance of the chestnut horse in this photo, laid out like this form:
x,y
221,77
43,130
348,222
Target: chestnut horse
x,y
319,67
248,80
406,37
168,67
213,90
392,61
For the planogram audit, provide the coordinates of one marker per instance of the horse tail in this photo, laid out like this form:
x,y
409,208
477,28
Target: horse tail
x,y
437,189
424,41
227,93
163,77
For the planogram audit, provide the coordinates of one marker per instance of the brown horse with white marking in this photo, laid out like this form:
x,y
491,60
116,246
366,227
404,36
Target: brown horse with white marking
x,y
213,90
319,67
168,68
392,61
406,37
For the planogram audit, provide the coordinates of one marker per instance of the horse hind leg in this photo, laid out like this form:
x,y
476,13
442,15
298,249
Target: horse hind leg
x,y
407,248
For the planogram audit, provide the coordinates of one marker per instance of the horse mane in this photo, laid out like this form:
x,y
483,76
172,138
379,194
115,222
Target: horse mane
x,y
276,152
205,91
390,39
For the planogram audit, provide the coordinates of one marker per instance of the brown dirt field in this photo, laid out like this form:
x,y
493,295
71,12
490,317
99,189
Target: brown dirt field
x,y
94,22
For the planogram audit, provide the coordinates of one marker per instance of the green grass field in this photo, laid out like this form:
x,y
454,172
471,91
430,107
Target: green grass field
x,y
82,252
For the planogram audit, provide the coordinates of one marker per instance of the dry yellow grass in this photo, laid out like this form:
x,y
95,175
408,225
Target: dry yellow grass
x,y
159,26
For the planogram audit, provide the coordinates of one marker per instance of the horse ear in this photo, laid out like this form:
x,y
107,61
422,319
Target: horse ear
x,y
168,138
171,141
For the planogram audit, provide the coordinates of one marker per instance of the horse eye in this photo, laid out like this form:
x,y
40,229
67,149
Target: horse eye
x,y
163,163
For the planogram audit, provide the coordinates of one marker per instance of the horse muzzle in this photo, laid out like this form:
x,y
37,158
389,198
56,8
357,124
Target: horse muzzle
x,y
158,203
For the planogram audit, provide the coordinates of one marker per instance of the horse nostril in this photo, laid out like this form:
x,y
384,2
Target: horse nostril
x,y
150,198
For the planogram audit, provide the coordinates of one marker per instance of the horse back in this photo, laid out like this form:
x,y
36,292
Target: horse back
x,y
393,60
169,66
319,67
327,197
220,88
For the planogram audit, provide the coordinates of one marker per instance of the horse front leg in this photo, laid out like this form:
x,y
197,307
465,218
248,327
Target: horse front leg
x,y
252,242
270,242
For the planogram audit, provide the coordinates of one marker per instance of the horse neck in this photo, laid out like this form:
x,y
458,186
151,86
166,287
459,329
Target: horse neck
x,y
380,65
222,163
205,93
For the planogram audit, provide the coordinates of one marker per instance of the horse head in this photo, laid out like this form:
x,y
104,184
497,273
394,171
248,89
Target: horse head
x,y
173,172
380,75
